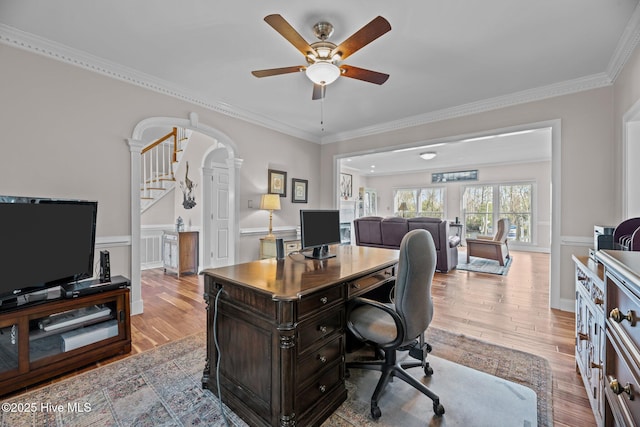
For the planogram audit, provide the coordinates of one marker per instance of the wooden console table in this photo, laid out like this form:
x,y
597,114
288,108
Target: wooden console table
x,y
180,252
280,326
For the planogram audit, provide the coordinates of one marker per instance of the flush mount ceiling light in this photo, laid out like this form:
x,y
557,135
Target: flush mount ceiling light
x,y
428,155
421,147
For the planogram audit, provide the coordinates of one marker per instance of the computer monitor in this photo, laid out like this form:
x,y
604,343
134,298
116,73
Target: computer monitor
x,y
318,230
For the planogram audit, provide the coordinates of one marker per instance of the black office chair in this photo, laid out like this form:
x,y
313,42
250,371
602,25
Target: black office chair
x,y
400,325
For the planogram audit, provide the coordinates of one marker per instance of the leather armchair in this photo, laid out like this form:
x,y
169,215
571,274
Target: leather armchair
x,y
398,326
491,247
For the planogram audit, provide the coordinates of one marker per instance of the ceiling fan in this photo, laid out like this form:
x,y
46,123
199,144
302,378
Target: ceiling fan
x,y
325,58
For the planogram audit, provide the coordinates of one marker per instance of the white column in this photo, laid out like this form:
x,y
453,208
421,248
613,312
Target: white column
x,y
135,147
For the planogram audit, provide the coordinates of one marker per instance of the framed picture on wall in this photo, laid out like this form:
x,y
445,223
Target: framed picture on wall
x,y
299,190
277,182
346,186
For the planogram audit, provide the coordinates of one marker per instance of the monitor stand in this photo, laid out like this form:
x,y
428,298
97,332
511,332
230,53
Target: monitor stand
x,y
321,252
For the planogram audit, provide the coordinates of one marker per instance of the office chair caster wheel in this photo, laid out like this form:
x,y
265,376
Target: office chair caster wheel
x,y
375,412
428,371
438,409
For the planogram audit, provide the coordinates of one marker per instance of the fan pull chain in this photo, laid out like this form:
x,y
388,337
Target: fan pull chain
x,y
322,114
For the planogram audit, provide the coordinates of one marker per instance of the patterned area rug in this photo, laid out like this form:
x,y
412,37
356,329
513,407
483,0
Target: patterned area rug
x,y
481,265
163,387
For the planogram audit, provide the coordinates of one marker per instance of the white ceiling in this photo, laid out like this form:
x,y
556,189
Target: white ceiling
x,y
491,150
445,58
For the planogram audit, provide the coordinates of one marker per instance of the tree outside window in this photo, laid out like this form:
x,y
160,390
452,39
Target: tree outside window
x,y
427,202
513,201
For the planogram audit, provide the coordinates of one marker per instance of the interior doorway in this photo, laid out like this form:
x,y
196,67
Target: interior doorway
x,y
550,224
218,171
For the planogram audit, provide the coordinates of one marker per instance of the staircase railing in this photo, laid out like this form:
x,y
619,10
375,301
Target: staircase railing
x,y
157,163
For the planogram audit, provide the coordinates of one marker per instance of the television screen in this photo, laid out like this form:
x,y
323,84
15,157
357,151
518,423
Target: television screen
x,y
45,243
318,229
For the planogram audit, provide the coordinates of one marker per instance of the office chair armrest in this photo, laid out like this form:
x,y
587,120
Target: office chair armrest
x,y
400,328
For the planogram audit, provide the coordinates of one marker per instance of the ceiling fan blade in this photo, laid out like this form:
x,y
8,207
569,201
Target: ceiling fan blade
x,y
277,71
363,74
318,91
362,37
288,32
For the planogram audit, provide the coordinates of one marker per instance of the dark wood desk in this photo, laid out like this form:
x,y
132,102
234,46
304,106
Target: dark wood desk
x,y
281,332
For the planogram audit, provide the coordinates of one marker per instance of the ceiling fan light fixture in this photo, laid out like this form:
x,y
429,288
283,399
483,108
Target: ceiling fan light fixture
x,y
323,72
428,155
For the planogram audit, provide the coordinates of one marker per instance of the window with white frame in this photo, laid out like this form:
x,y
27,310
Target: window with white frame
x,y
483,205
414,202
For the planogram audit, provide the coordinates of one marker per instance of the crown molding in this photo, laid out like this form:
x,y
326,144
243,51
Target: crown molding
x,y
627,44
39,45
30,42
564,88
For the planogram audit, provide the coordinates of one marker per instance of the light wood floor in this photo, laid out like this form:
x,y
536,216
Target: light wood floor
x,y
511,311
507,310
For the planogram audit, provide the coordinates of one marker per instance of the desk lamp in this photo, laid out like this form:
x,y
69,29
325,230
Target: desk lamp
x,y
270,202
402,208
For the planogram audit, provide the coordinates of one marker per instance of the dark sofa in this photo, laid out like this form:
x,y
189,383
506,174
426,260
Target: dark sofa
x,y
388,232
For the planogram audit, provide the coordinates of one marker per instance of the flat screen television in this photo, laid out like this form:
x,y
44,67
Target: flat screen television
x,y
44,243
318,230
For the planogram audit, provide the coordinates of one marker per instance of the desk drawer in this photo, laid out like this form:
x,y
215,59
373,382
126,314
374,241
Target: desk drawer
x,y
318,300
319,328
319,359
362,285
319,389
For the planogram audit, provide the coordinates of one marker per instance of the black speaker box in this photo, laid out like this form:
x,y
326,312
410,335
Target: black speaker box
x,y
105,267
279,249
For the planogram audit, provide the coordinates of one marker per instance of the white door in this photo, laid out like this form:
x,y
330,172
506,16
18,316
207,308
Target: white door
x,y
220,223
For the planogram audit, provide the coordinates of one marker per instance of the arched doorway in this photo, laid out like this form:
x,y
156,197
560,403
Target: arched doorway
x,y
221,156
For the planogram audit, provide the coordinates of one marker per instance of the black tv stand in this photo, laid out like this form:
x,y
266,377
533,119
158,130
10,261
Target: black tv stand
x,y
320,252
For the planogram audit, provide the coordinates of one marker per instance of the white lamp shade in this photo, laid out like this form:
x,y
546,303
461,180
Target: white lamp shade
x,y
323,73
270,202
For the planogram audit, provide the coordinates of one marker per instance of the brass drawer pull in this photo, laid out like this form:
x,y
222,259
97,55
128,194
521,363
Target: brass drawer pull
x,y
582,336
324,300
355,286
617,315
617,389
598,301
595,366
322,359
322,388
322,329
